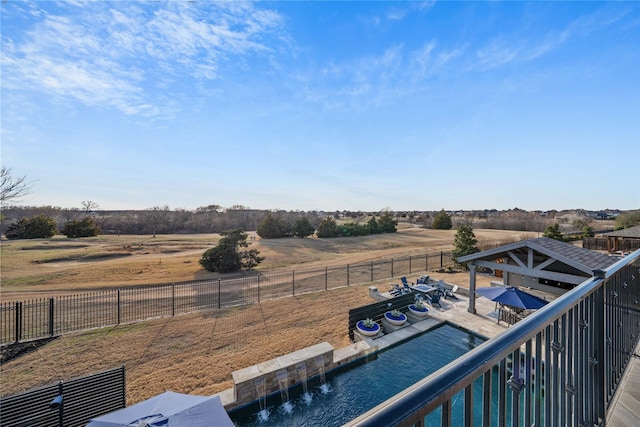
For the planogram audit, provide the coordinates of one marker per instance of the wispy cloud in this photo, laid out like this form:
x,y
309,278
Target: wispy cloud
x,y
375,79
504,50
429,60
109,59
356,84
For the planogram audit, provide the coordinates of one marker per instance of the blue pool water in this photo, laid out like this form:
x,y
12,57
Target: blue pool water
x,y
353,390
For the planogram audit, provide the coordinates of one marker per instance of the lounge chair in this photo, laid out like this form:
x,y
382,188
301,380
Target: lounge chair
x,y
451,293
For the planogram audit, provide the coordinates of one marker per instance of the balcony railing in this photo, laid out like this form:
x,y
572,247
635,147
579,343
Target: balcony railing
x,y
558,367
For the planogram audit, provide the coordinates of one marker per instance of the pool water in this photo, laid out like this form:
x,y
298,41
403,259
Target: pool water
x,y
353,390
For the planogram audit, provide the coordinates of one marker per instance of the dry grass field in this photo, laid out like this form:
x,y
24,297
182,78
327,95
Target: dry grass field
x,y
193,353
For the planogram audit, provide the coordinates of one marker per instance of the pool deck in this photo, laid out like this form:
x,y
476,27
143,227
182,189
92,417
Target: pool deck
x,y
454,312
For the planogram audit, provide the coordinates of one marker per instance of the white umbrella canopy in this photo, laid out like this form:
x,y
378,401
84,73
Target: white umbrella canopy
x,y
168,409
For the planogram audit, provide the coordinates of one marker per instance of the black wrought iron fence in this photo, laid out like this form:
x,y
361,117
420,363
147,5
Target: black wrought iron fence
x,y
44,317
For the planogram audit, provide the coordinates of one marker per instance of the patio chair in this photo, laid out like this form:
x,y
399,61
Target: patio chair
x,y
435,300
406,289
451,293
396,291
422,280
405,282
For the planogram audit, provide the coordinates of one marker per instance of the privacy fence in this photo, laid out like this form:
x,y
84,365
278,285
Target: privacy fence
x,y
46,317
604,244
68,403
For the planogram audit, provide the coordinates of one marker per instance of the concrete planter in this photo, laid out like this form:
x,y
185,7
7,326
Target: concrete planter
x,y
420,313
396,321
369,332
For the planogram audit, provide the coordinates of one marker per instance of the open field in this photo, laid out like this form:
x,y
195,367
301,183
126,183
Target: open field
x,y
194,353
41,267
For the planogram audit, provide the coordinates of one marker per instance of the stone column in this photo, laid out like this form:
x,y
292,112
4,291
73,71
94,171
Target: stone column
x,y
472,288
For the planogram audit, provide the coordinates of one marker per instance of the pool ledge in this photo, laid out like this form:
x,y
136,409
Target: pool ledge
x,y
389,340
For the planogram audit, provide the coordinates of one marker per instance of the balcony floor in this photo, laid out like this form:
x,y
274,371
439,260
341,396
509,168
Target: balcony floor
x,y
625,408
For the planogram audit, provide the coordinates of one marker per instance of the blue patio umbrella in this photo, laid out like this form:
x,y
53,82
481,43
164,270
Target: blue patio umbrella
x,y
514,297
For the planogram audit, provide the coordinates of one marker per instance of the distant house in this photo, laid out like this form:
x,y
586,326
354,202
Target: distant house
x,y
625,240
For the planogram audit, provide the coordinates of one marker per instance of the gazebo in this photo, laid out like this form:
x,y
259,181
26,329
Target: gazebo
x,y
544,264
627,239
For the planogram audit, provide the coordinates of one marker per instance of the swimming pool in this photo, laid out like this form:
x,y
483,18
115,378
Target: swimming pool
x,y
356,388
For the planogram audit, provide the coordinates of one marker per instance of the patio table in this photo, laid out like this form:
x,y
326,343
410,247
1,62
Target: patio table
x,y
424,289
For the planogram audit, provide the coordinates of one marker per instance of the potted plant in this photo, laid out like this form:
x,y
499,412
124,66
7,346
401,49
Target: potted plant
x,y
368,327
395,317
419,309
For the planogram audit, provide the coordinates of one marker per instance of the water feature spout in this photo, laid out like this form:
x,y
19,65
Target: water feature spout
x,y
324,387
302,373
320,366
261,392
283,383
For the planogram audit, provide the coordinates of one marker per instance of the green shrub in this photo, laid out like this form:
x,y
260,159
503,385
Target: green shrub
x,y
38,227
83,228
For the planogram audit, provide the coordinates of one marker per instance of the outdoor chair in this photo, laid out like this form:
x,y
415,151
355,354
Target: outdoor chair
x,y
396,291
406,289
451,293
422,280
405,282
435,300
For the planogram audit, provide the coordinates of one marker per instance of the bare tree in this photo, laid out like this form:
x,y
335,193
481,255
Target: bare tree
x,y
89,206
156,216
10,188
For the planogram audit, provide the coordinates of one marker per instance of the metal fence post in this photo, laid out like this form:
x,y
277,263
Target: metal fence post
x,y
173,299
51,317
293,283
347,274
258,287
326,278
18,321
441,259
220,294
372,271
426,262
391,267
118,308
409,264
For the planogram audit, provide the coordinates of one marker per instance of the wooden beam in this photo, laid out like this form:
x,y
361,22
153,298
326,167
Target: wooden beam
x,y
541,274
516,259
544,264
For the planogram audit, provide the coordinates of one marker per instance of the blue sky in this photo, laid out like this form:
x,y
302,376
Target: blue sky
x,y
323,105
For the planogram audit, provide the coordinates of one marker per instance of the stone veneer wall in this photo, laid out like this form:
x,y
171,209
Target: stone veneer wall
x,y
244,380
